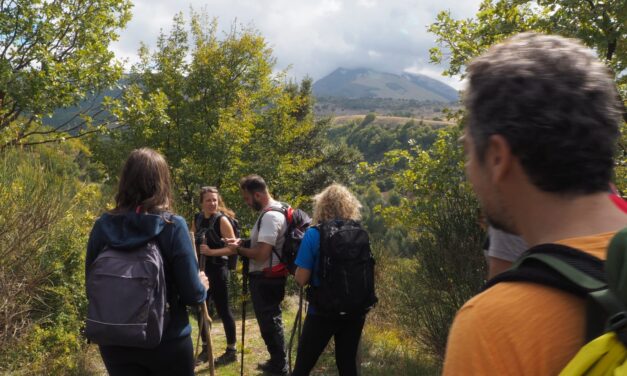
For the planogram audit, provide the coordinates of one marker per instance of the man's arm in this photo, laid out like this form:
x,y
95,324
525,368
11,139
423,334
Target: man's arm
x,y
270,226
260,252
470,349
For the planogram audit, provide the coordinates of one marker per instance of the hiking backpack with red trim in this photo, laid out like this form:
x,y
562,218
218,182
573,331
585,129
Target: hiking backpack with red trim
x,y
298,221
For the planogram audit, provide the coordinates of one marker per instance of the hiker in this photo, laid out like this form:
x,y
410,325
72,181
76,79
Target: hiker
x,y
142,214
541,131
210,226
267,275
504,249
334,206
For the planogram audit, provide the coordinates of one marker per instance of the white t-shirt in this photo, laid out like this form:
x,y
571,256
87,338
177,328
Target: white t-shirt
x,y
271,231
505,246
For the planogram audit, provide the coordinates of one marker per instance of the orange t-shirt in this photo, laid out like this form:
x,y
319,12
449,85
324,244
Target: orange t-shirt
x,y
520,328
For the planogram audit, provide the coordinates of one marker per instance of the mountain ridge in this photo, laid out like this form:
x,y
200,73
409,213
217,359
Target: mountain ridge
x,y
369,83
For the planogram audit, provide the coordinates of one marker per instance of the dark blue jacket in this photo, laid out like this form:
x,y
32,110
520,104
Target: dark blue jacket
x,y
130,230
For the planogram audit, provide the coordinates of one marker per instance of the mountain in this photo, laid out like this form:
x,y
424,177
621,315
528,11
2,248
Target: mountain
x,y
70,117
367,83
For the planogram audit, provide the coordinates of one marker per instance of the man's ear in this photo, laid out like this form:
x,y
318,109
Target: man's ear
x,y
499,157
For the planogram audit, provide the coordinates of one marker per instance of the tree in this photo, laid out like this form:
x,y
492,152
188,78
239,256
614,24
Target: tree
x,y
213,106
600,24
53,54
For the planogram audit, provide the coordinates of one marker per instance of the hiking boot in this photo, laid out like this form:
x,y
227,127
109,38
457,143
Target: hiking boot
x,y
203,357
272,369
229,356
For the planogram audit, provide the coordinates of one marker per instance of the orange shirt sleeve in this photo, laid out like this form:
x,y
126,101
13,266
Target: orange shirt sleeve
x,y
469,349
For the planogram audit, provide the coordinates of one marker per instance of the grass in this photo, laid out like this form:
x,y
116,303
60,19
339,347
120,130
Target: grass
x,y
255,349
389,352
383,349
389,121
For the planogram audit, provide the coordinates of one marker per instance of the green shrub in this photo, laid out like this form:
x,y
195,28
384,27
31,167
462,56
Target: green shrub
x,y
439,214
369,118
449,270
47,215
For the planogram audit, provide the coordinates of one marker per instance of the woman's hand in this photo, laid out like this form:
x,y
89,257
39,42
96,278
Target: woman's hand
x,y
204,280
205,250
233,244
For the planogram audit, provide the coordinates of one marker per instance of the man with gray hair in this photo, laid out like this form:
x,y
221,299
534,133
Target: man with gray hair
x,y
542,128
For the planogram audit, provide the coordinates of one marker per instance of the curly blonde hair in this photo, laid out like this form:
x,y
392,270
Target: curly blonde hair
x,y
335,202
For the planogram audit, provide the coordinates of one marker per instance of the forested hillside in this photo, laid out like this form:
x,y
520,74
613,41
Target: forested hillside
x,y
214,104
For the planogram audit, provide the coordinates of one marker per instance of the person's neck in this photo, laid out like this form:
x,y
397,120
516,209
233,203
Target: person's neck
x,y
547,218
208,214
266,201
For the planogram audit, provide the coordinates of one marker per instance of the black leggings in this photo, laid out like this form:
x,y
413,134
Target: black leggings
x,y
175,357
219,292
317,331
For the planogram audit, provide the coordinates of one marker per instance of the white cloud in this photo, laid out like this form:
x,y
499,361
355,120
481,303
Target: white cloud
x,y
315,37
433,72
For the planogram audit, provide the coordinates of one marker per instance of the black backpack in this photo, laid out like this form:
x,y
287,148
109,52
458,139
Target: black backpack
x,y
213,236
298,221
346,270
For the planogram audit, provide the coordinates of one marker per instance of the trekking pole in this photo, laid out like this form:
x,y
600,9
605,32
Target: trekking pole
x,y
199,316
298,320
244,301
205,318
300,310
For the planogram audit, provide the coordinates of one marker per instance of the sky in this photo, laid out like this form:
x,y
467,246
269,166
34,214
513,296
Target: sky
x,y
314,37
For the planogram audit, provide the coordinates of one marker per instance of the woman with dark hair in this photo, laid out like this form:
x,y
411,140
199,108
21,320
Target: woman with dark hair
x,y
211,225
143,214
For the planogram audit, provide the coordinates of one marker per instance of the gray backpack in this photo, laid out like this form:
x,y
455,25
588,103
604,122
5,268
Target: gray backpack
x,y
127,301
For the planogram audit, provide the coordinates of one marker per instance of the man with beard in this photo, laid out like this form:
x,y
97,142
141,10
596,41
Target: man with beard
x,y
267,275
542,128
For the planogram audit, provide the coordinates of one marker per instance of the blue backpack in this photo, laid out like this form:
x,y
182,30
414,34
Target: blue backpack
x,y
127,300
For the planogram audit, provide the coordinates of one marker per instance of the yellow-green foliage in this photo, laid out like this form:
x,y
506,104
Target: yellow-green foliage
x,y
47,215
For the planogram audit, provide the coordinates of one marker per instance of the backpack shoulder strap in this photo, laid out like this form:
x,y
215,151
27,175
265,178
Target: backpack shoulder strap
x,y
215,219
198,220
172,292
559,266
282,209
575,272
323,228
